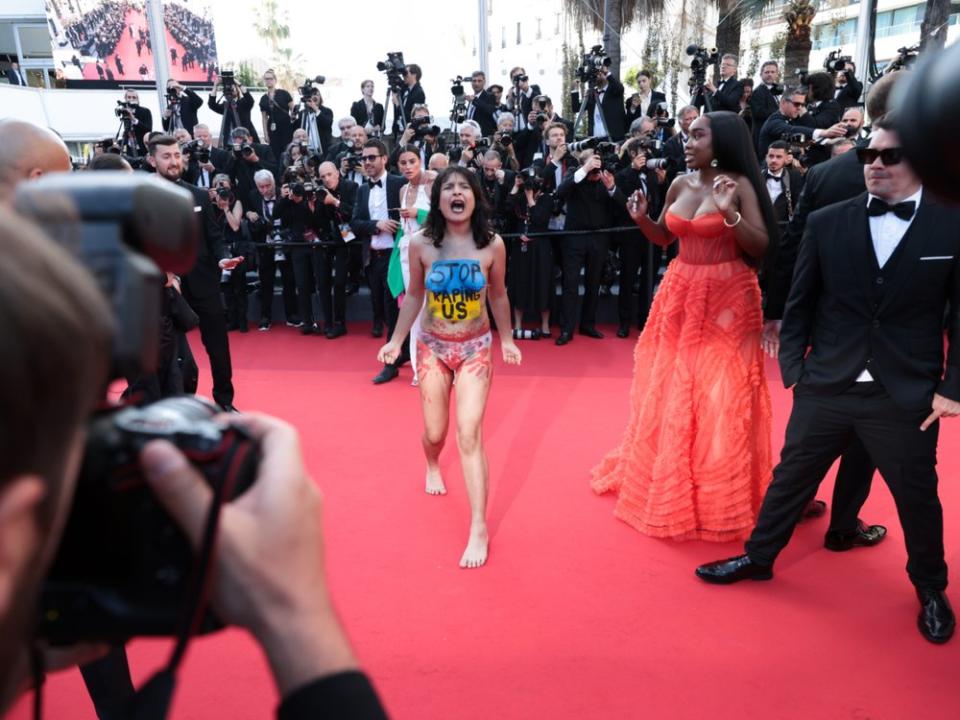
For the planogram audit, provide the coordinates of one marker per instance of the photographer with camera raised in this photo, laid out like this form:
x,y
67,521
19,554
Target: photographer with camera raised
x,y
504,142
591,195
235,106
409,96
182,106
237,243
423,133
316,119
520,98
532,144
644,102
297,208
266,227
245,157
345,142
643,175
336,241
201,286
727,93
847,89
530,283
496,183
785,123
765,99
472,146
137,121
823,113
276,114
608,117
350,161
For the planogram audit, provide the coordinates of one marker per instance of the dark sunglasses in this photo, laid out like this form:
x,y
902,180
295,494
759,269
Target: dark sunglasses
x,y
370,158
797,104
888,156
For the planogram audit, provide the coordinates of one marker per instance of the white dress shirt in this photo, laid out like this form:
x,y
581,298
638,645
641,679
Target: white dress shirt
x,y
774,186
599,128
886,233
377,205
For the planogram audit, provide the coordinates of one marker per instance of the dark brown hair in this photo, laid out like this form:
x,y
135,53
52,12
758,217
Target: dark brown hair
x,y
161,139
436,224
55,357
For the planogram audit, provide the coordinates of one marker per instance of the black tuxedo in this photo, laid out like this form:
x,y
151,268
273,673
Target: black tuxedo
x,y
358,111
822,116
636,252
331,259
762,105
324,122
673,149
384,304
14,76
775,126
656,97
589,207
853,314
526,106
725,97
791,184
408,98
614,115
530,142
849,95
140,129
241,171
482,109
267,226
189,103
201,289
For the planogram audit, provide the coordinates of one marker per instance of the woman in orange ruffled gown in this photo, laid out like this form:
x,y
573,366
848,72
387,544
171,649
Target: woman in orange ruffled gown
x,y
695,460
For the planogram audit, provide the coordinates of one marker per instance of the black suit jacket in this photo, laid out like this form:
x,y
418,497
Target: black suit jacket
x,y
628,181
822,116
361,224
484,106
202,283
726,97
831,308
408,98
775,126
762,104
526,104
589,205
613,111
358,111
831,182
530,142
244,106
14,78
849,95
330,217
656,98
794,184
190,102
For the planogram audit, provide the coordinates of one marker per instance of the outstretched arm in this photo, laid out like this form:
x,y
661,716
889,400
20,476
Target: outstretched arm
x,y
499,303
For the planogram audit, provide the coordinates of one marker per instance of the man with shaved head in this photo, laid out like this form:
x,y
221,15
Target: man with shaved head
x,y
27,152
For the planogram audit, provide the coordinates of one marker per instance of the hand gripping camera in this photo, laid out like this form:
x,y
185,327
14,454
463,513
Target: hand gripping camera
x,y
592,63
123,567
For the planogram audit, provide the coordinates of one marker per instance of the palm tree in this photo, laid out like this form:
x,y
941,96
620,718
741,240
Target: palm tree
x,y
271,25
612,17
798,15
730,18
933,31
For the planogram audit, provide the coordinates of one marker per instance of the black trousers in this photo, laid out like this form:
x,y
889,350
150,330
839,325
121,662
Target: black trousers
x,y
330,264
213,333
109,684
852,487
268,274
385,307
588,253
820,429
637,254
302,260
235,296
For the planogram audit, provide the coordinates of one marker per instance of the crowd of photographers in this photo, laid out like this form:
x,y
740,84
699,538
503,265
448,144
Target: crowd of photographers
x,y
284,188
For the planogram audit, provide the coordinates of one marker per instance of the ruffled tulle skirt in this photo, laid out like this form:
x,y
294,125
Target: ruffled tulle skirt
x,y
695,459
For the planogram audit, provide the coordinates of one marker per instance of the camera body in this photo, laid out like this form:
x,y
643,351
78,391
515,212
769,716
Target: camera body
x,y
801,75
395,68
529,179
700,59
227,79
124,110
422,127
652,148
835,62
309,86
506,139
243,149
592,63
798,144
197,150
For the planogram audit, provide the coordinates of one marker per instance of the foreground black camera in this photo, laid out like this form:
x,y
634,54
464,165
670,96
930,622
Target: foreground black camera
x,y
124,110
196,149
124,566
592,63
529,179
395,68
835,62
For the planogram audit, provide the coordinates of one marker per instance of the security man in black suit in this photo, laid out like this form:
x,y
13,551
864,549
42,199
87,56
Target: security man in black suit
x,y
182,112
862,345
482,105
635,251
376,217
591,197
201,286
727,93
610,120
764,102
410,96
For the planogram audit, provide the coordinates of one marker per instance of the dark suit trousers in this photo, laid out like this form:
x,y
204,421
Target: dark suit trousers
x,y
636,255
109,684
588,253
302,261
852,487
331,270
268,274
385,308
213,333
820,429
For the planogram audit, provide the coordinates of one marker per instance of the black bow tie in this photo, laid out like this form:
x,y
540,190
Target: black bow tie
x,y
903,210
375,183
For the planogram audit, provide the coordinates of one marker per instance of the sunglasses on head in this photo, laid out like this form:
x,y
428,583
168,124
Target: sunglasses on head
x,y
888,156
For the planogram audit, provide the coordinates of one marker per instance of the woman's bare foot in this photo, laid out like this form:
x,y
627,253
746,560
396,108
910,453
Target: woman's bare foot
x,y
435,484
476,553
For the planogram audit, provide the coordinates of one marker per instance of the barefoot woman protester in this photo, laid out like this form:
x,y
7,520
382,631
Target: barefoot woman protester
x,y
459,263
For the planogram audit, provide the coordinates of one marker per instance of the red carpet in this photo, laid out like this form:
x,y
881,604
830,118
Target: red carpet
x,y
576,615
127,51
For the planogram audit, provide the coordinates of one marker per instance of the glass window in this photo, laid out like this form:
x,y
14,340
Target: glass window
x,y
518,34
34,42
503,36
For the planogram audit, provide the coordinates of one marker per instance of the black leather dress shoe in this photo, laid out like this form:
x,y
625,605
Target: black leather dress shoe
x,y
388,373
336,330
564,338
311,329
814,509
864,536
591,332
623,331
936,620
377,330
735,569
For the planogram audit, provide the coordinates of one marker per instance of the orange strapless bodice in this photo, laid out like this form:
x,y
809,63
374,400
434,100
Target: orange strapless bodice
x,y
704,239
